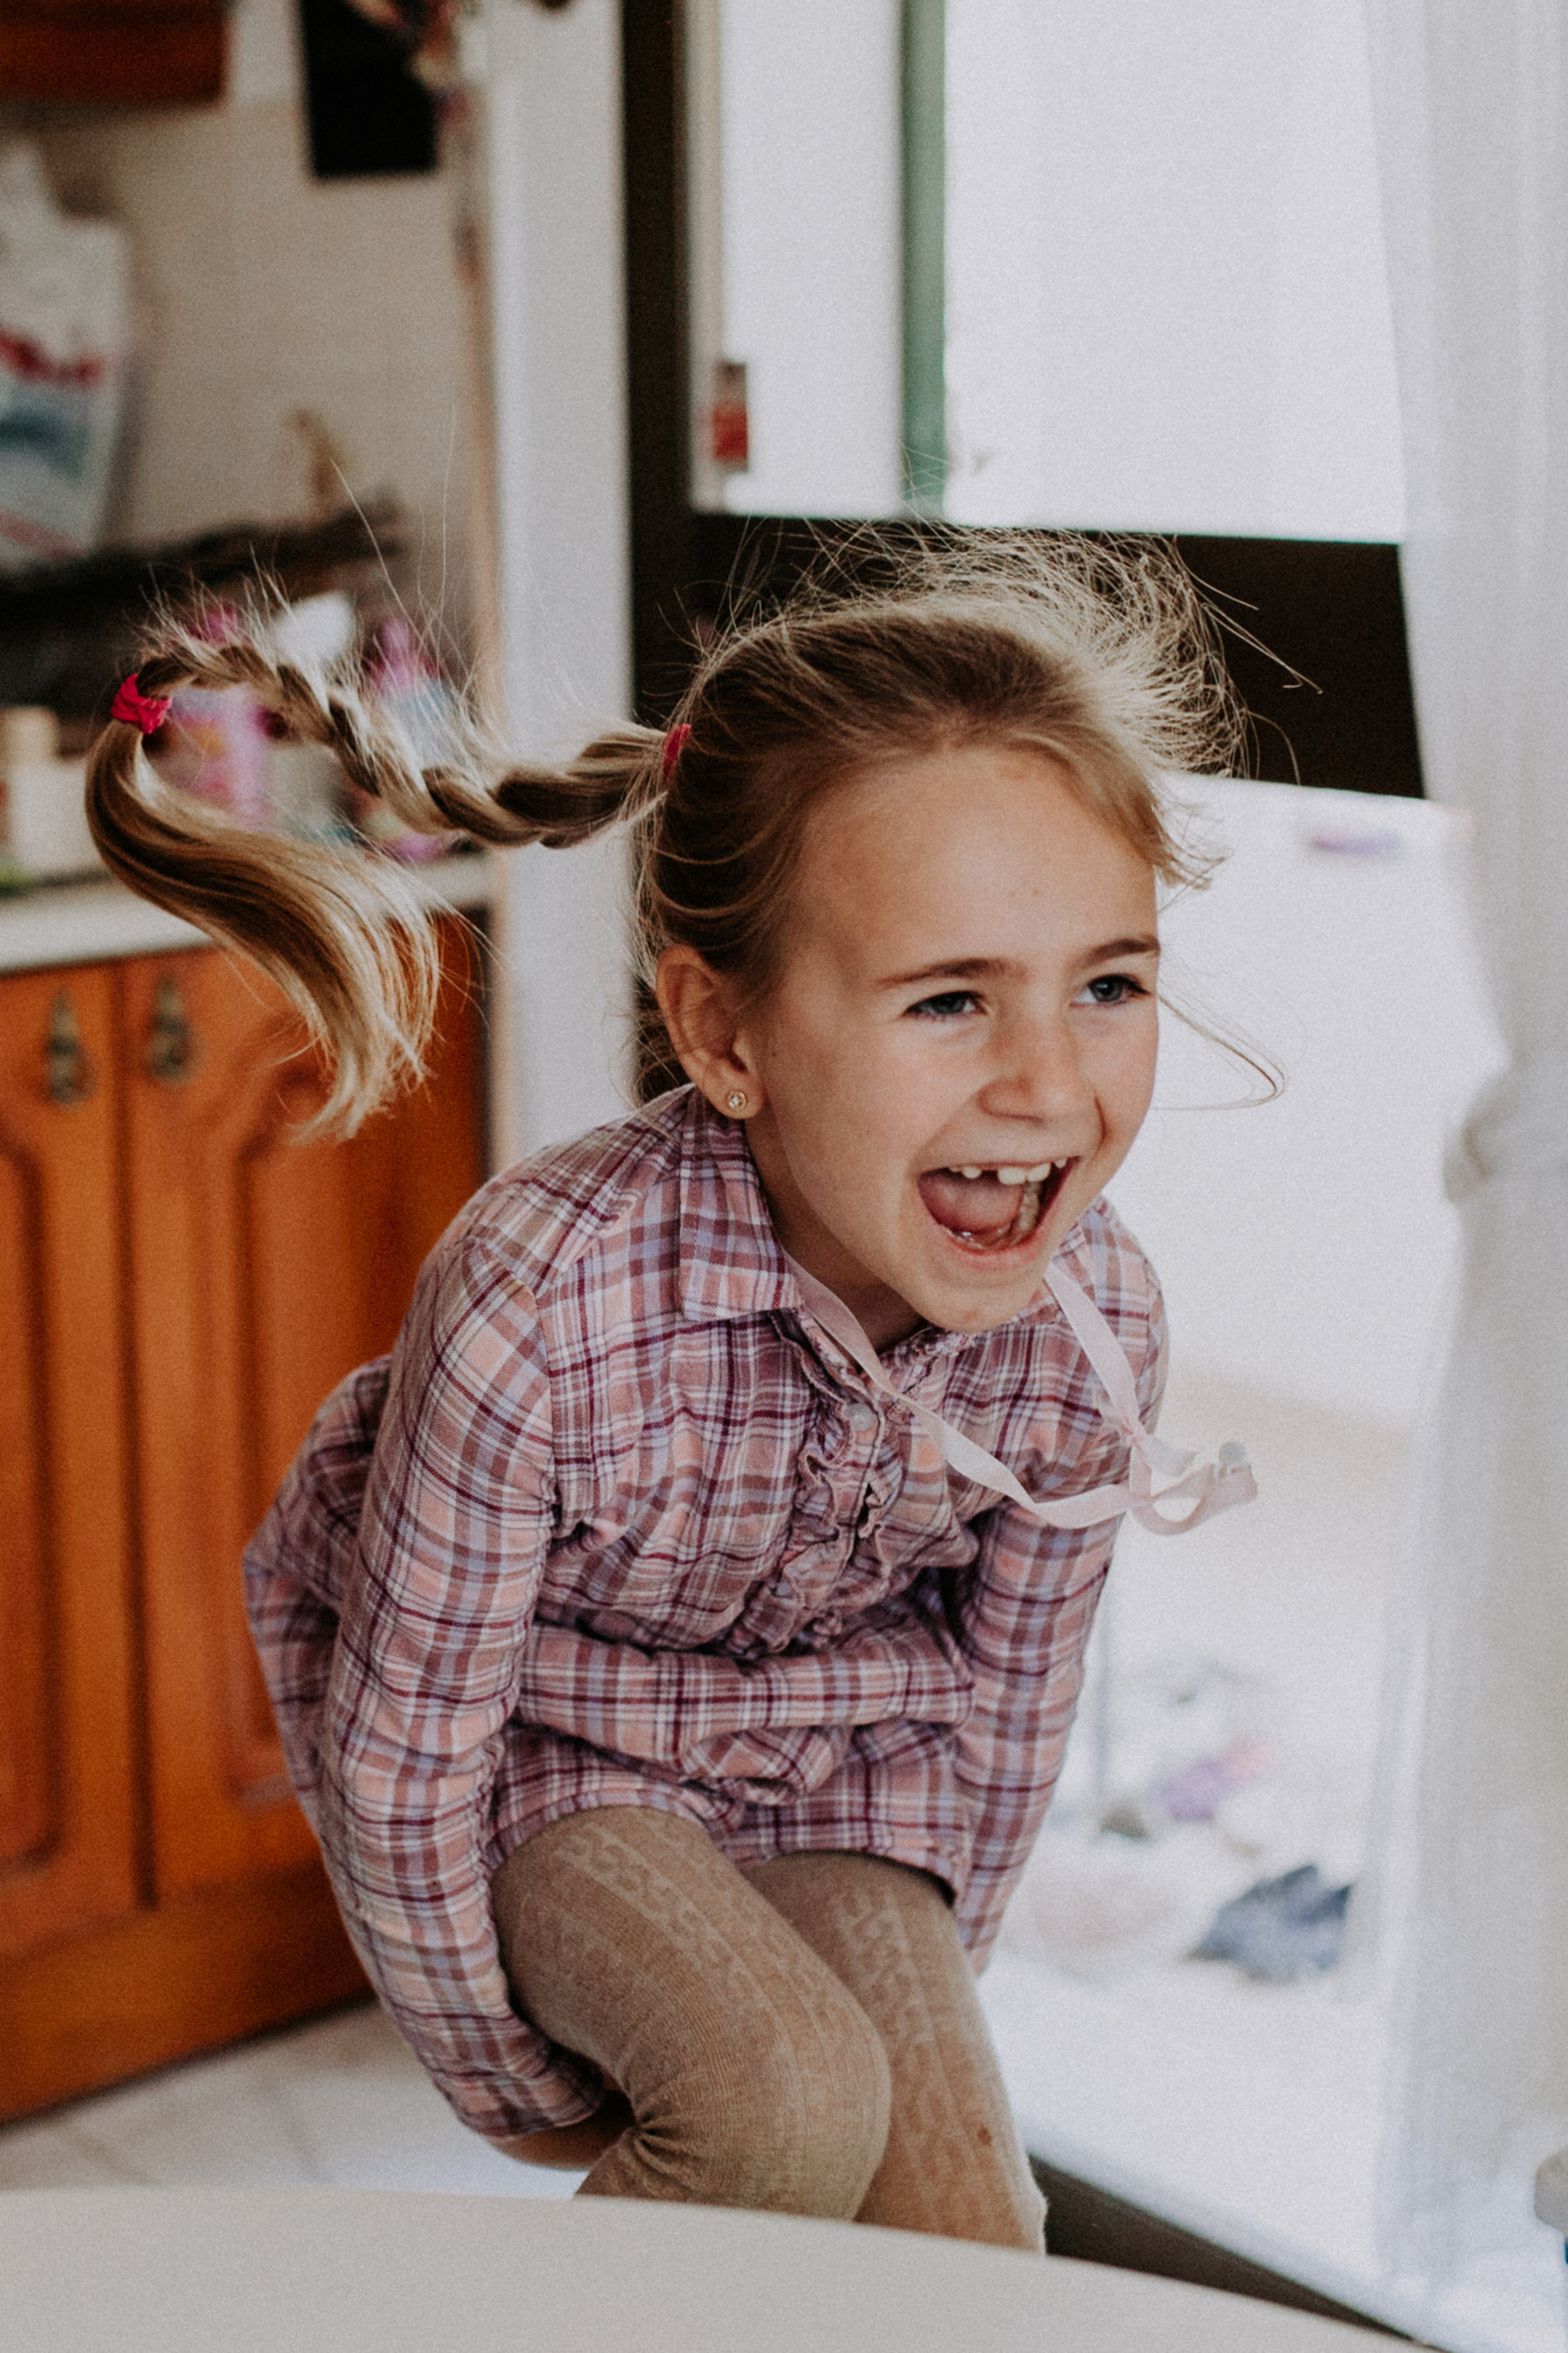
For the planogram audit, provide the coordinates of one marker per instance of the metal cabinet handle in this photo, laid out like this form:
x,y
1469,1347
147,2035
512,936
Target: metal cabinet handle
x,y
173,1047
68,1074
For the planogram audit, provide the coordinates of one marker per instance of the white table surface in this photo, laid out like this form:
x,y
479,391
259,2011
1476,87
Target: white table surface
x,y
346,2271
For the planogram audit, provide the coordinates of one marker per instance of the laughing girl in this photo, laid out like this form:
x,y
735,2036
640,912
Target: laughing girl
x,y
675,1640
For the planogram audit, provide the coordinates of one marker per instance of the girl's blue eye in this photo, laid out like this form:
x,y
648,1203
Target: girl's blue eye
x,y
945,1006
1113,989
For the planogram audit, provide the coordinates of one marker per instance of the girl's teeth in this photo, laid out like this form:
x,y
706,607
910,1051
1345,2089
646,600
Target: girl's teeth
x,y
1015,1175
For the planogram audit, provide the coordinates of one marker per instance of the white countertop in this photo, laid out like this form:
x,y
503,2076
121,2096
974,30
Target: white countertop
x,y
345,2271
81,922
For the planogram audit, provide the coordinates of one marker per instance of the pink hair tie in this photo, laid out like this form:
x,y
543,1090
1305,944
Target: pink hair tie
x,y
134,709
674,744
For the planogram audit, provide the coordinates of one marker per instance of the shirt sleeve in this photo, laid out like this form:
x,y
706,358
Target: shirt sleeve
x,y
1026,1623
296,1564
435,1610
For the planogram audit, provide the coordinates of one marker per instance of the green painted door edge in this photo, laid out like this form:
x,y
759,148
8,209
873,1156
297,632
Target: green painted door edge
x,y
923,149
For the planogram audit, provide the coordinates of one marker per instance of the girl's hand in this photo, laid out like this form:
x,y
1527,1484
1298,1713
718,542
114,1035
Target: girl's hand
x,y
573,2149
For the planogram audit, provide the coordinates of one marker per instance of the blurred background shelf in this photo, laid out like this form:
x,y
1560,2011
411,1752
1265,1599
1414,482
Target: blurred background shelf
x,y
113,52
73,923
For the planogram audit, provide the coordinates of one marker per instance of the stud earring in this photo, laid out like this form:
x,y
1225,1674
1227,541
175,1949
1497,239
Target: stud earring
x,y
735,1099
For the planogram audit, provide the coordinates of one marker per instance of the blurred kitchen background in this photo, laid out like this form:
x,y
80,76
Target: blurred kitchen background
x,y
514,344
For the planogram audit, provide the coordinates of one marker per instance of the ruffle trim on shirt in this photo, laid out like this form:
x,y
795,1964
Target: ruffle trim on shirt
x,y
859,1534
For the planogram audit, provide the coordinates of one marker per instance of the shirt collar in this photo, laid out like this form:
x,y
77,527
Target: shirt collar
x,y
730,1257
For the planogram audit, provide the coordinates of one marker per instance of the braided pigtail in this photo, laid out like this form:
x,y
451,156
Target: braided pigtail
x,y
339,930
1097,656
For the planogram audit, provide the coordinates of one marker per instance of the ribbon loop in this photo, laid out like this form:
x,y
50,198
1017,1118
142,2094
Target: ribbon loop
x,y
675,743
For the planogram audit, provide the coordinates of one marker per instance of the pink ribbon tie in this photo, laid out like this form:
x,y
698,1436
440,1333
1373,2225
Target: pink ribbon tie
x,y
134,709
675,743
1212,1487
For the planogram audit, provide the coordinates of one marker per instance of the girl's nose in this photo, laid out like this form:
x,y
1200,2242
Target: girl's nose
x,y
1040,1076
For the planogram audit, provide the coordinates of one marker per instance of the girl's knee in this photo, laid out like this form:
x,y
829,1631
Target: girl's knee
x,y
799,2129
832,2140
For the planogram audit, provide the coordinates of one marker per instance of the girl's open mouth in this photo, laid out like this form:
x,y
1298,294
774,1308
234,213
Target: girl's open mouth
x,y
991,1209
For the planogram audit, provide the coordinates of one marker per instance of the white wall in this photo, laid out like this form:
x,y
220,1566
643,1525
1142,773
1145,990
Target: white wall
x,y
810,301
1307,1246
1167,301
558,303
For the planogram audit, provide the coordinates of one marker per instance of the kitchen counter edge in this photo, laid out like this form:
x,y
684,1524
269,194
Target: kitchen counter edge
x,y
90,921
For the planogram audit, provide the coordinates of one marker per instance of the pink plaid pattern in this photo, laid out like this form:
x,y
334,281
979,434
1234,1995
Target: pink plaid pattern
x,y
618,1523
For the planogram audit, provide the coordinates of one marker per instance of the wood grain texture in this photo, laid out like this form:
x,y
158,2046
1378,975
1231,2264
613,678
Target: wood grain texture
x,y
29,1775
131,52
181,1283
69,1810
191,1976
262,1270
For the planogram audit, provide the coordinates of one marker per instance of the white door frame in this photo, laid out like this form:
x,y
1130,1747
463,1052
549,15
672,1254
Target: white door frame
x,y
560,998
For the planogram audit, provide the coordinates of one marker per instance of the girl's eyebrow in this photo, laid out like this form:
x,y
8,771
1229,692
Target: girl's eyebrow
x,y
950,968
1142,943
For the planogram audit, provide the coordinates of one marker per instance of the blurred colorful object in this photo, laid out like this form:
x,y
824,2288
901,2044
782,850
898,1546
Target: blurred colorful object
x,y
216,747
1196,1792
422,706
1292,1926
63,344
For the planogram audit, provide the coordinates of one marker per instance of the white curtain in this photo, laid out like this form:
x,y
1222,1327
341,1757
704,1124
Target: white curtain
x,y
1472,105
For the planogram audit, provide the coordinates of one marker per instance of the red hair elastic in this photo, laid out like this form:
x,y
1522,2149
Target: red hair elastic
x,y
674,744
147,712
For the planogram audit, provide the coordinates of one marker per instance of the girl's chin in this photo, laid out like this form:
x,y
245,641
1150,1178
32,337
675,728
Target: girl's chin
x,y
973,1288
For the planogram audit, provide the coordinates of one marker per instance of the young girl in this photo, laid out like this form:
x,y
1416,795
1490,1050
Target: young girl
x,y
674,1642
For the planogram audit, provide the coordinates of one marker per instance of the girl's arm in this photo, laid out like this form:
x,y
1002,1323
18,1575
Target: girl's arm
x,y
1025,1630
300,1562
1026,1624
452,1543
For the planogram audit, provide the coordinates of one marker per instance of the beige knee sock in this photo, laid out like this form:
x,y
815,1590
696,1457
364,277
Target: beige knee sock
x,y
953,2163
752,2075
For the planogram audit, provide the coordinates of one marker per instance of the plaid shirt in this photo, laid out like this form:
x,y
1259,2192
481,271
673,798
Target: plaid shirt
x,y
618,1523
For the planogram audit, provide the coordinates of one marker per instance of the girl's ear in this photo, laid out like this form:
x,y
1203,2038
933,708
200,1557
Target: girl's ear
x,y
699,1010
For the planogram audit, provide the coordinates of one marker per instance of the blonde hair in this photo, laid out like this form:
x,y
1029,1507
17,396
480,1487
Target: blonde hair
x,y
1096,653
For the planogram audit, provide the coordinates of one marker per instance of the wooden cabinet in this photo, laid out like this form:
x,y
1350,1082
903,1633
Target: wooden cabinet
x,y
181,1283
132,52
70,1817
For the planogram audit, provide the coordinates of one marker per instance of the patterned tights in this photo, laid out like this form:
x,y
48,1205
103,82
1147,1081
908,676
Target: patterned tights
x,y
801,2039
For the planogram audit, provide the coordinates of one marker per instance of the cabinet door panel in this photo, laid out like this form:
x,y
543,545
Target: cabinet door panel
x,y
133,52
262,1270
69,1818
